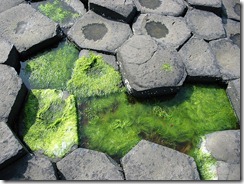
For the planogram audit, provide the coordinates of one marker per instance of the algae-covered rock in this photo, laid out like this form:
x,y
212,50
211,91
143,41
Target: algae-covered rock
x,y
50,122
93,77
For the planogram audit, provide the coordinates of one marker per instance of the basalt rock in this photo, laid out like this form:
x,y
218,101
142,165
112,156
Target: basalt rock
x,y
233,29
232,9
6,4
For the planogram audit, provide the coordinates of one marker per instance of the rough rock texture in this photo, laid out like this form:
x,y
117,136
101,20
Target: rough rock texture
x,y
10,147
9,54
163,7
6,4
119,10
224,146
27,29
150,161
205,24
233,29
233,92
29,168
232,9
95,32
206,3
199,60
167,30
12,94
228,58
84,164
150,69
109,59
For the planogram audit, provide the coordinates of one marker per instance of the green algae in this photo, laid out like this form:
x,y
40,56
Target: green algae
x,y
52,69
116,123
93,77
58,11
167,67
50,122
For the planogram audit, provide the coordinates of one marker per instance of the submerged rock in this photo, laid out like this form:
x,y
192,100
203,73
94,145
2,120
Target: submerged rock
x,y
149,69
150,161
84,164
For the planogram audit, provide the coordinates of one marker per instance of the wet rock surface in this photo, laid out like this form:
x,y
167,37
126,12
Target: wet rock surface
x,y
149,69
150,161
162,7
6,4
95,32
119,10
84,164
27,29
167,30
205,25
29,168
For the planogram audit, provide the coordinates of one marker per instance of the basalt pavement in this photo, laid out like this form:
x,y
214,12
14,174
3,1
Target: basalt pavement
x,y
158,45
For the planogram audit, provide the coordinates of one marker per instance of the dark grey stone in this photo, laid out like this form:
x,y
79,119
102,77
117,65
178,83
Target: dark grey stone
x,y
233,29
232,9
228,58
119,10
27,29
233,91
205,25
162,7
84,164
10,147
206,3
12,94
9,54
97,33
6,4
149,69
29,168
109,59
167,30
226,171
150,161
199,61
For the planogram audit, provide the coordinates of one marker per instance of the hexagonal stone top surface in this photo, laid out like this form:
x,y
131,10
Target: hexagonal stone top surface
x,y
150,161
25,27
163,7
84,164
6,4
205,25
167,30
147,65
95,32
207,3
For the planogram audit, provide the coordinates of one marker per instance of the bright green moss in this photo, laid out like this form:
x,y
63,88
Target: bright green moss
x,y
93,77
167,67
116,123
50,122
53,68
58,11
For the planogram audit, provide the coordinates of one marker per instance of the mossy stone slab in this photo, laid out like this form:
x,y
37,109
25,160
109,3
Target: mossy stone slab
x,y
50,123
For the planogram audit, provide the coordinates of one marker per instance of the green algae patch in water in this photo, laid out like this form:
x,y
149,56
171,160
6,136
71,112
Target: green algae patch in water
x,y
52,69
93,77
58,11
50,122
116,123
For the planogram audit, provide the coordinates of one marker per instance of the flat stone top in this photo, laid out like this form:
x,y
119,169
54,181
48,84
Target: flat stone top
x,y
232,9
163,7
10,87
167,30
208,3
5,49
95,32
84,164
150,161
23,26
7,4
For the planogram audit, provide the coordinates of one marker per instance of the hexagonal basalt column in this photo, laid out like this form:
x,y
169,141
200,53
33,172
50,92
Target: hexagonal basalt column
x,y
206,3
149,69
119,10
95,32
200,61
150,161
169,31
205,25
27,29
232,9
162,7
